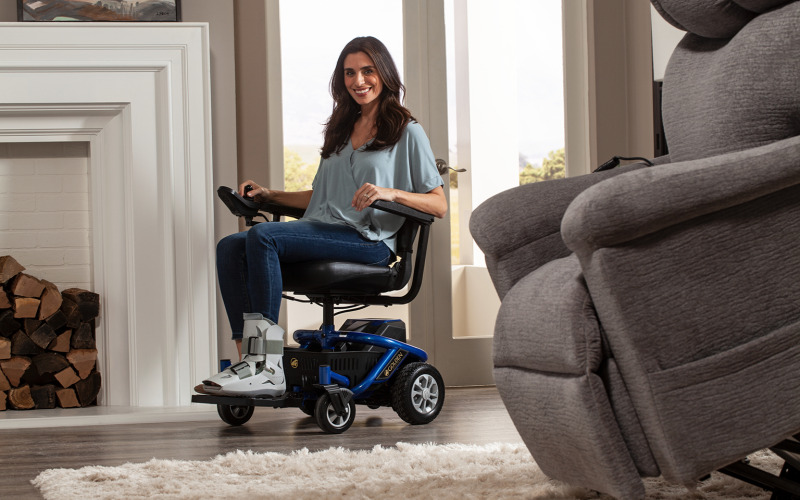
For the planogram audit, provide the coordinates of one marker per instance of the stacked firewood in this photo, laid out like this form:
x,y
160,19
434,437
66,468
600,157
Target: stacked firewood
x,y
48,354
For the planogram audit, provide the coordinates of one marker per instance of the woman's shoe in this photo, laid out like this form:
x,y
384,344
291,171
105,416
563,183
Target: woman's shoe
x,y
248,378
260,372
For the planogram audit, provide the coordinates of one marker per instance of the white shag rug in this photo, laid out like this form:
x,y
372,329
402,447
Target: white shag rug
x,y
408,471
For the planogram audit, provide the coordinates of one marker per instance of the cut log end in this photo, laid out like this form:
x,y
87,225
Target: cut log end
x,y
9,268
88,389
67,398
20,398
25,307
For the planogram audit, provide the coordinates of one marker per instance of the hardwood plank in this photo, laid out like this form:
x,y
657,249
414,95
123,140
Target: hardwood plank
x,y
470,415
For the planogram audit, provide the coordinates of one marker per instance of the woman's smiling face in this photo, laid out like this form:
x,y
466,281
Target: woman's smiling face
x,y
361,78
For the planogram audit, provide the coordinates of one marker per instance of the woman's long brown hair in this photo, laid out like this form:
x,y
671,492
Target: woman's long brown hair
x,y
392,115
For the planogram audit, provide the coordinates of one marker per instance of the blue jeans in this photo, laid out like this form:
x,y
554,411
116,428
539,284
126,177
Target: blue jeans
x,y
248,263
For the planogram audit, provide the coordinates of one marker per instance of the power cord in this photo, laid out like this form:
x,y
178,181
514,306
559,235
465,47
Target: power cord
x,y
614,162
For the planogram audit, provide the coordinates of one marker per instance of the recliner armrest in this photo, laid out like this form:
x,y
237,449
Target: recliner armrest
x,y
643,202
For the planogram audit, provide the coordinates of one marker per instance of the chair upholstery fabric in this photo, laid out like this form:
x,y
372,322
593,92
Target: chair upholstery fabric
x,y
650,321
548,347
726,95
713,18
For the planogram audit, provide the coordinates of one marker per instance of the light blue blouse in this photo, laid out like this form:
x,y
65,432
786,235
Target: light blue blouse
x,y
409,166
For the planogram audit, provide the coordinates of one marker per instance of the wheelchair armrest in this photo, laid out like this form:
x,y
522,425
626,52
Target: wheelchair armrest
x,y
275,209
243,207
395,208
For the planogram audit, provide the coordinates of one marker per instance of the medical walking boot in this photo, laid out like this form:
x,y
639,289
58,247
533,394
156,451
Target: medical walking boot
x,y
260,372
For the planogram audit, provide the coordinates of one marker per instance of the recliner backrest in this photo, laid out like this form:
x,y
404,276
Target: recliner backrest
x,y
731,83
713,18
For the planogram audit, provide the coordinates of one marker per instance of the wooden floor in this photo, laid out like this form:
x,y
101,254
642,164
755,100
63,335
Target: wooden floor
x,y
470,415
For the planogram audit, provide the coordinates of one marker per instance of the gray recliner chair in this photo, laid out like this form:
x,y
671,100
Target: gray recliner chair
x,y
650,318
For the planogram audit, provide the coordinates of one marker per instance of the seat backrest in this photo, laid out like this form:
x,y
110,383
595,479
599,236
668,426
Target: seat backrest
x,y
732,82
405,251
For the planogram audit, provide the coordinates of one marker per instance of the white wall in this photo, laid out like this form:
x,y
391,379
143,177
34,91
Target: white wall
x,y
8,11
475,302
665,38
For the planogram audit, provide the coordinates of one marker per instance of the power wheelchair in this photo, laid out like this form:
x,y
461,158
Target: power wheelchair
x,y
367,361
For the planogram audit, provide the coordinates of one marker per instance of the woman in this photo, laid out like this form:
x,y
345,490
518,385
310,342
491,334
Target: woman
x,y
373,150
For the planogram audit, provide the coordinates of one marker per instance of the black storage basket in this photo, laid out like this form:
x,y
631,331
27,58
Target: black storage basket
x,y
301,366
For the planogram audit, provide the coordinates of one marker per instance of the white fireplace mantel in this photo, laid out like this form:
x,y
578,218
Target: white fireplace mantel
x,y
139,94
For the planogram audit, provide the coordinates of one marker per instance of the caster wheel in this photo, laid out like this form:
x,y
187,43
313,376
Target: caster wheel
x,y
328,420
307,407
235,415
418,393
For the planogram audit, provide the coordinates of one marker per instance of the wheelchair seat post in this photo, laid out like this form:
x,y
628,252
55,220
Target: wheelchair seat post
x,y
327,315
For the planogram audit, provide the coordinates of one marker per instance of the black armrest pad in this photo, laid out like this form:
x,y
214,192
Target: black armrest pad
x,y
243,207
276,209
403,211
238,206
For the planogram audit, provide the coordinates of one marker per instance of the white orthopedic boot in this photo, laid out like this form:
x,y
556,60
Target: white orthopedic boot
x,y
260,372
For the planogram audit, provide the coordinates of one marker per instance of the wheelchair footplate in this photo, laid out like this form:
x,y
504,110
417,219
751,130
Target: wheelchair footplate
x,y
288,400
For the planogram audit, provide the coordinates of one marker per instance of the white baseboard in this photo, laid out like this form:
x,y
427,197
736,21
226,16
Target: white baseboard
x,y
104,415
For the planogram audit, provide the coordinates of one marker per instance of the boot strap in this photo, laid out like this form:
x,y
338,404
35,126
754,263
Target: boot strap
x,y
259,345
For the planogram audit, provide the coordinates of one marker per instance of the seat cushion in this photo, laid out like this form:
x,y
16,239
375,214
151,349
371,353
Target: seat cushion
x,y
336,277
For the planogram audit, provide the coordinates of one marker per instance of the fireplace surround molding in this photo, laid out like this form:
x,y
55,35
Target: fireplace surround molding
x,y
139,94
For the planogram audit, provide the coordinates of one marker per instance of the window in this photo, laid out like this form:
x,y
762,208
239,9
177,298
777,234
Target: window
x,y
505,95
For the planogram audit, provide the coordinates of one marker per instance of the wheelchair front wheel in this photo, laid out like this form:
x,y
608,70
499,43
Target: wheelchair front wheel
x,y
235,415
327,418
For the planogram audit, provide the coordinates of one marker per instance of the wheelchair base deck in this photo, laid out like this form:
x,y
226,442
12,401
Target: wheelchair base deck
x,y
286,401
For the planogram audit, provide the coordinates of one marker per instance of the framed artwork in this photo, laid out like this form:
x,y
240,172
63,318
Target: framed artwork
x,y
99,10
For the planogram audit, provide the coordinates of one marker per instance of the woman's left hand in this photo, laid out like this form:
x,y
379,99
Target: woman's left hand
x,y
368,193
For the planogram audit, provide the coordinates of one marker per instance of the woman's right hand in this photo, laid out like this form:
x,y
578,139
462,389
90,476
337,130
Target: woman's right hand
x,y
257,193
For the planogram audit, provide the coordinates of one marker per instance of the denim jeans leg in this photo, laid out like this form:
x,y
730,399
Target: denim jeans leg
x,y
269,244
248,263
233,277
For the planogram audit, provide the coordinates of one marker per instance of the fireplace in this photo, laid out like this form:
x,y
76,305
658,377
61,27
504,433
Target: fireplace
x,y
138,94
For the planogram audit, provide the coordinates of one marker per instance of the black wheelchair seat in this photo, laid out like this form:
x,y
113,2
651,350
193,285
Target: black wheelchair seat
x,y
336,277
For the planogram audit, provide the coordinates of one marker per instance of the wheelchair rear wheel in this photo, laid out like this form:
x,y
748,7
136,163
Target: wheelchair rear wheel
x,y
418,393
